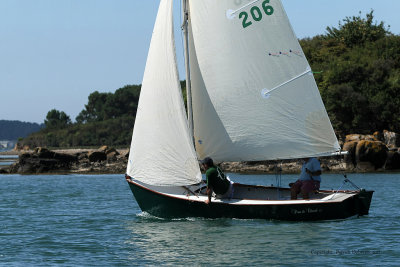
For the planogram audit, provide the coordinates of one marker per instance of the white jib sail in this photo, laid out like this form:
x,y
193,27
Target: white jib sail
x,y
254,95
162,152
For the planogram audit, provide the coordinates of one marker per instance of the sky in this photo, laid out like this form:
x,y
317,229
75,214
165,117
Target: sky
x,y
55,53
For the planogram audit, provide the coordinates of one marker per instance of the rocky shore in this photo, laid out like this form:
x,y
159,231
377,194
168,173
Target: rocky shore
x,y
94,161
366,153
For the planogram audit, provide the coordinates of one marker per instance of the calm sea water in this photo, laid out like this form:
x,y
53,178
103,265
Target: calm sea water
x,y
93,220
6,160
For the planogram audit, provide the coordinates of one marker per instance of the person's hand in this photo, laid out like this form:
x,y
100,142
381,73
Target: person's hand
x,y
207,201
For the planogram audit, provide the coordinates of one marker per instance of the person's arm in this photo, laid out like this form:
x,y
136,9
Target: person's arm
x,y
209,194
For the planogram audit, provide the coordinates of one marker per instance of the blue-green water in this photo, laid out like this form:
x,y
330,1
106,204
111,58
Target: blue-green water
x,y
6,160
93,220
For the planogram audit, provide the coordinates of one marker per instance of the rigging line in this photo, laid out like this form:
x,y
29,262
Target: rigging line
x,y
180,19
190,191
337,191
344,170
346,180
237,10
341,165
291,80
353,184
182,38
185,29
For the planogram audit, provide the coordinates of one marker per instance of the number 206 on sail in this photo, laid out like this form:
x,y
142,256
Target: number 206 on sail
x,y
256,14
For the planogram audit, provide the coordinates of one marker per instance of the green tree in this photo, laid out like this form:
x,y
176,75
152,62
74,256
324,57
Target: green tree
x,y
359,82
104,106
357,30
56,119
94,109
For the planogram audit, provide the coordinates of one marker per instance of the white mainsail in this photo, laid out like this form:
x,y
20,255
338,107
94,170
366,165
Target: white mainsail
x,y
162,152
254,95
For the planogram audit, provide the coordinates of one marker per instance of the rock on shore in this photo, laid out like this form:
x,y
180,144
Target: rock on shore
x,y
42,160
372,152
366,153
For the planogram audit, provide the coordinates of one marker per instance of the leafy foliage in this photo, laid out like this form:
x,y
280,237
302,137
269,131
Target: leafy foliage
x,y
57,119
113,132
360,79
357,31
105,106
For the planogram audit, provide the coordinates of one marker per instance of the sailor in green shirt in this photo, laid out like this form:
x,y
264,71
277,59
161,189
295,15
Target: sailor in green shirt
x,y
217,182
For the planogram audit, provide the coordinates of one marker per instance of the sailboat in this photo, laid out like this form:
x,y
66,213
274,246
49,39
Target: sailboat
x,y
251,96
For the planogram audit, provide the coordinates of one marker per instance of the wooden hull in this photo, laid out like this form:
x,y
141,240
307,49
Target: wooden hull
x,y
172,206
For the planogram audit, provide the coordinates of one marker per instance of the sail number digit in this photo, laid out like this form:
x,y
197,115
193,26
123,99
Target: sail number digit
x,y
269,10
256,13
245,23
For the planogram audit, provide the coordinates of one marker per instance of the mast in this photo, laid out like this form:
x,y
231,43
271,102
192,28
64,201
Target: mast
x,y
185,23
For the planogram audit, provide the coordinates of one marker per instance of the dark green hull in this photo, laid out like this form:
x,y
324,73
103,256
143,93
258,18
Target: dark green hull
x,y
165,206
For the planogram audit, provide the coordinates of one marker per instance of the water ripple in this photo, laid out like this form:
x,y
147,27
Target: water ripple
x,y
94,220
